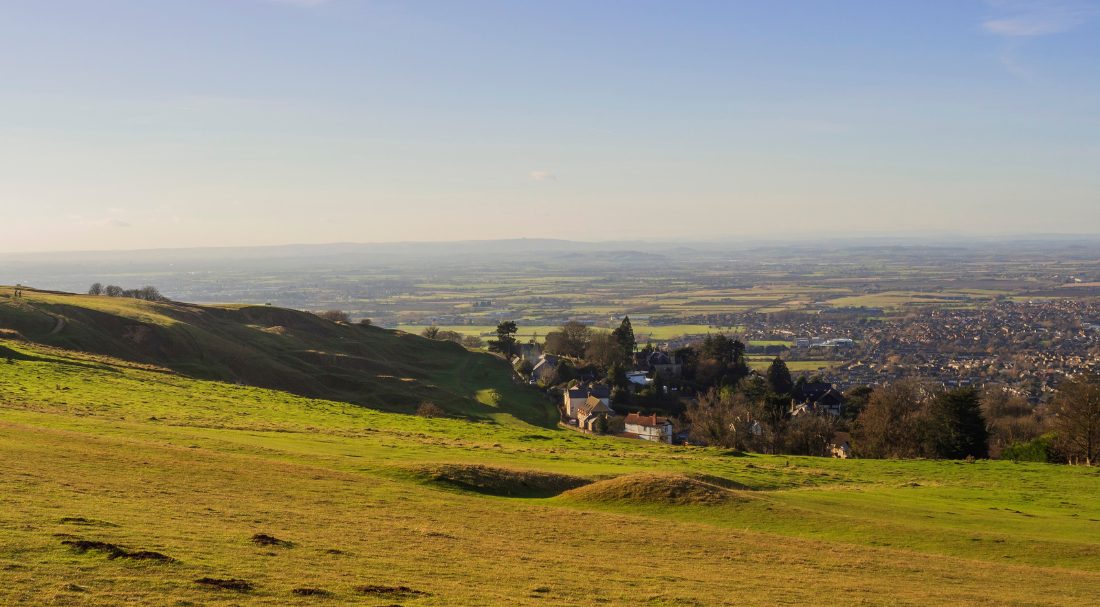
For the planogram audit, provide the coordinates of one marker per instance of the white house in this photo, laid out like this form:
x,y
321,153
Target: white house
x,y
649,427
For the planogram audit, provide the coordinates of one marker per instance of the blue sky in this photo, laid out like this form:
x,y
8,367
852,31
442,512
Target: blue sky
x,y
132,124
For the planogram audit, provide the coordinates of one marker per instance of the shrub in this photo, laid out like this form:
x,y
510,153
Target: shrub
x,y
1038,449
427,409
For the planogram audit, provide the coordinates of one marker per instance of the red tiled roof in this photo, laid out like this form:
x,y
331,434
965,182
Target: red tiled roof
x,y
645,420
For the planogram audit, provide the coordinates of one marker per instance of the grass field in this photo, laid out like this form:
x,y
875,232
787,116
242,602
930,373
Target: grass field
x,y
276,348
376,508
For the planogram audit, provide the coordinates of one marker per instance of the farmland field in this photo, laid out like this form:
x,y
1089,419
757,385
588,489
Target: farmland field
x,y
772,298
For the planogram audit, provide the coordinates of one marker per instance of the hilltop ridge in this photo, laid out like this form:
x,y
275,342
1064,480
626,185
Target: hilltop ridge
x,y
277,348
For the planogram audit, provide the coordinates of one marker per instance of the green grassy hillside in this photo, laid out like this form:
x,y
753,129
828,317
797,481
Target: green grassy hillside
x,y
122,482
277,348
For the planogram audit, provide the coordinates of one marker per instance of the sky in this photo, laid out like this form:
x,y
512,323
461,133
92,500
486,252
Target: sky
x,y
129,124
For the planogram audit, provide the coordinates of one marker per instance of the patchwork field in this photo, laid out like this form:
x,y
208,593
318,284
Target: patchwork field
x,y
123,483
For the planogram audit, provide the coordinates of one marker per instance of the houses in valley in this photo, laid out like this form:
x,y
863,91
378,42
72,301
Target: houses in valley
x,y
817,397
648,427
657,362
530,352
595,415
589,407
545,369
577,396
840,447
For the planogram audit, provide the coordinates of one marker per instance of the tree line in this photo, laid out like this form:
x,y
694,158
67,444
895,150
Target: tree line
x,y
144,293
469,341
906,419
754,413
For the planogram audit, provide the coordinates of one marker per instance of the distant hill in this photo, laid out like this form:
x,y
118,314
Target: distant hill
x,y
277,348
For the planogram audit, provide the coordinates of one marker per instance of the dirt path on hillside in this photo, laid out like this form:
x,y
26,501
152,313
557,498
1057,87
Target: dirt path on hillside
x,y
57,328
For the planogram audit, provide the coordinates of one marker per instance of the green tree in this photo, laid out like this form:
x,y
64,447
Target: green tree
x,y
721,361
779,378
854,401
1038,449
658,385
505,343
431,332
616,376
954,427
718,348
624,335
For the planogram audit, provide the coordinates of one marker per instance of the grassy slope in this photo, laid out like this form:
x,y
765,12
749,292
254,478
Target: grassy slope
x,y
278,348
158,459
193,468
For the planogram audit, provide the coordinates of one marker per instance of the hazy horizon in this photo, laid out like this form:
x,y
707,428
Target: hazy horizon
x,y
755,242
218,123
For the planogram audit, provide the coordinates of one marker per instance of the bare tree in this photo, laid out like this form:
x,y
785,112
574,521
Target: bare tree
x,y
726,418
96,289
147,293
809,435
712,419
1076,419
1010,417
335,315
890,423
570,340
603,350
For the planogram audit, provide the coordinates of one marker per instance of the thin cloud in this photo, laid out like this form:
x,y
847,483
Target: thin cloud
x,y
1031,18
542,176
1010,60
111,222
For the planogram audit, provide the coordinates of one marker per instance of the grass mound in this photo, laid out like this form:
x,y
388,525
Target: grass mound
x,y
391,592
114,551
650,488
234,584
263,539
500,481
